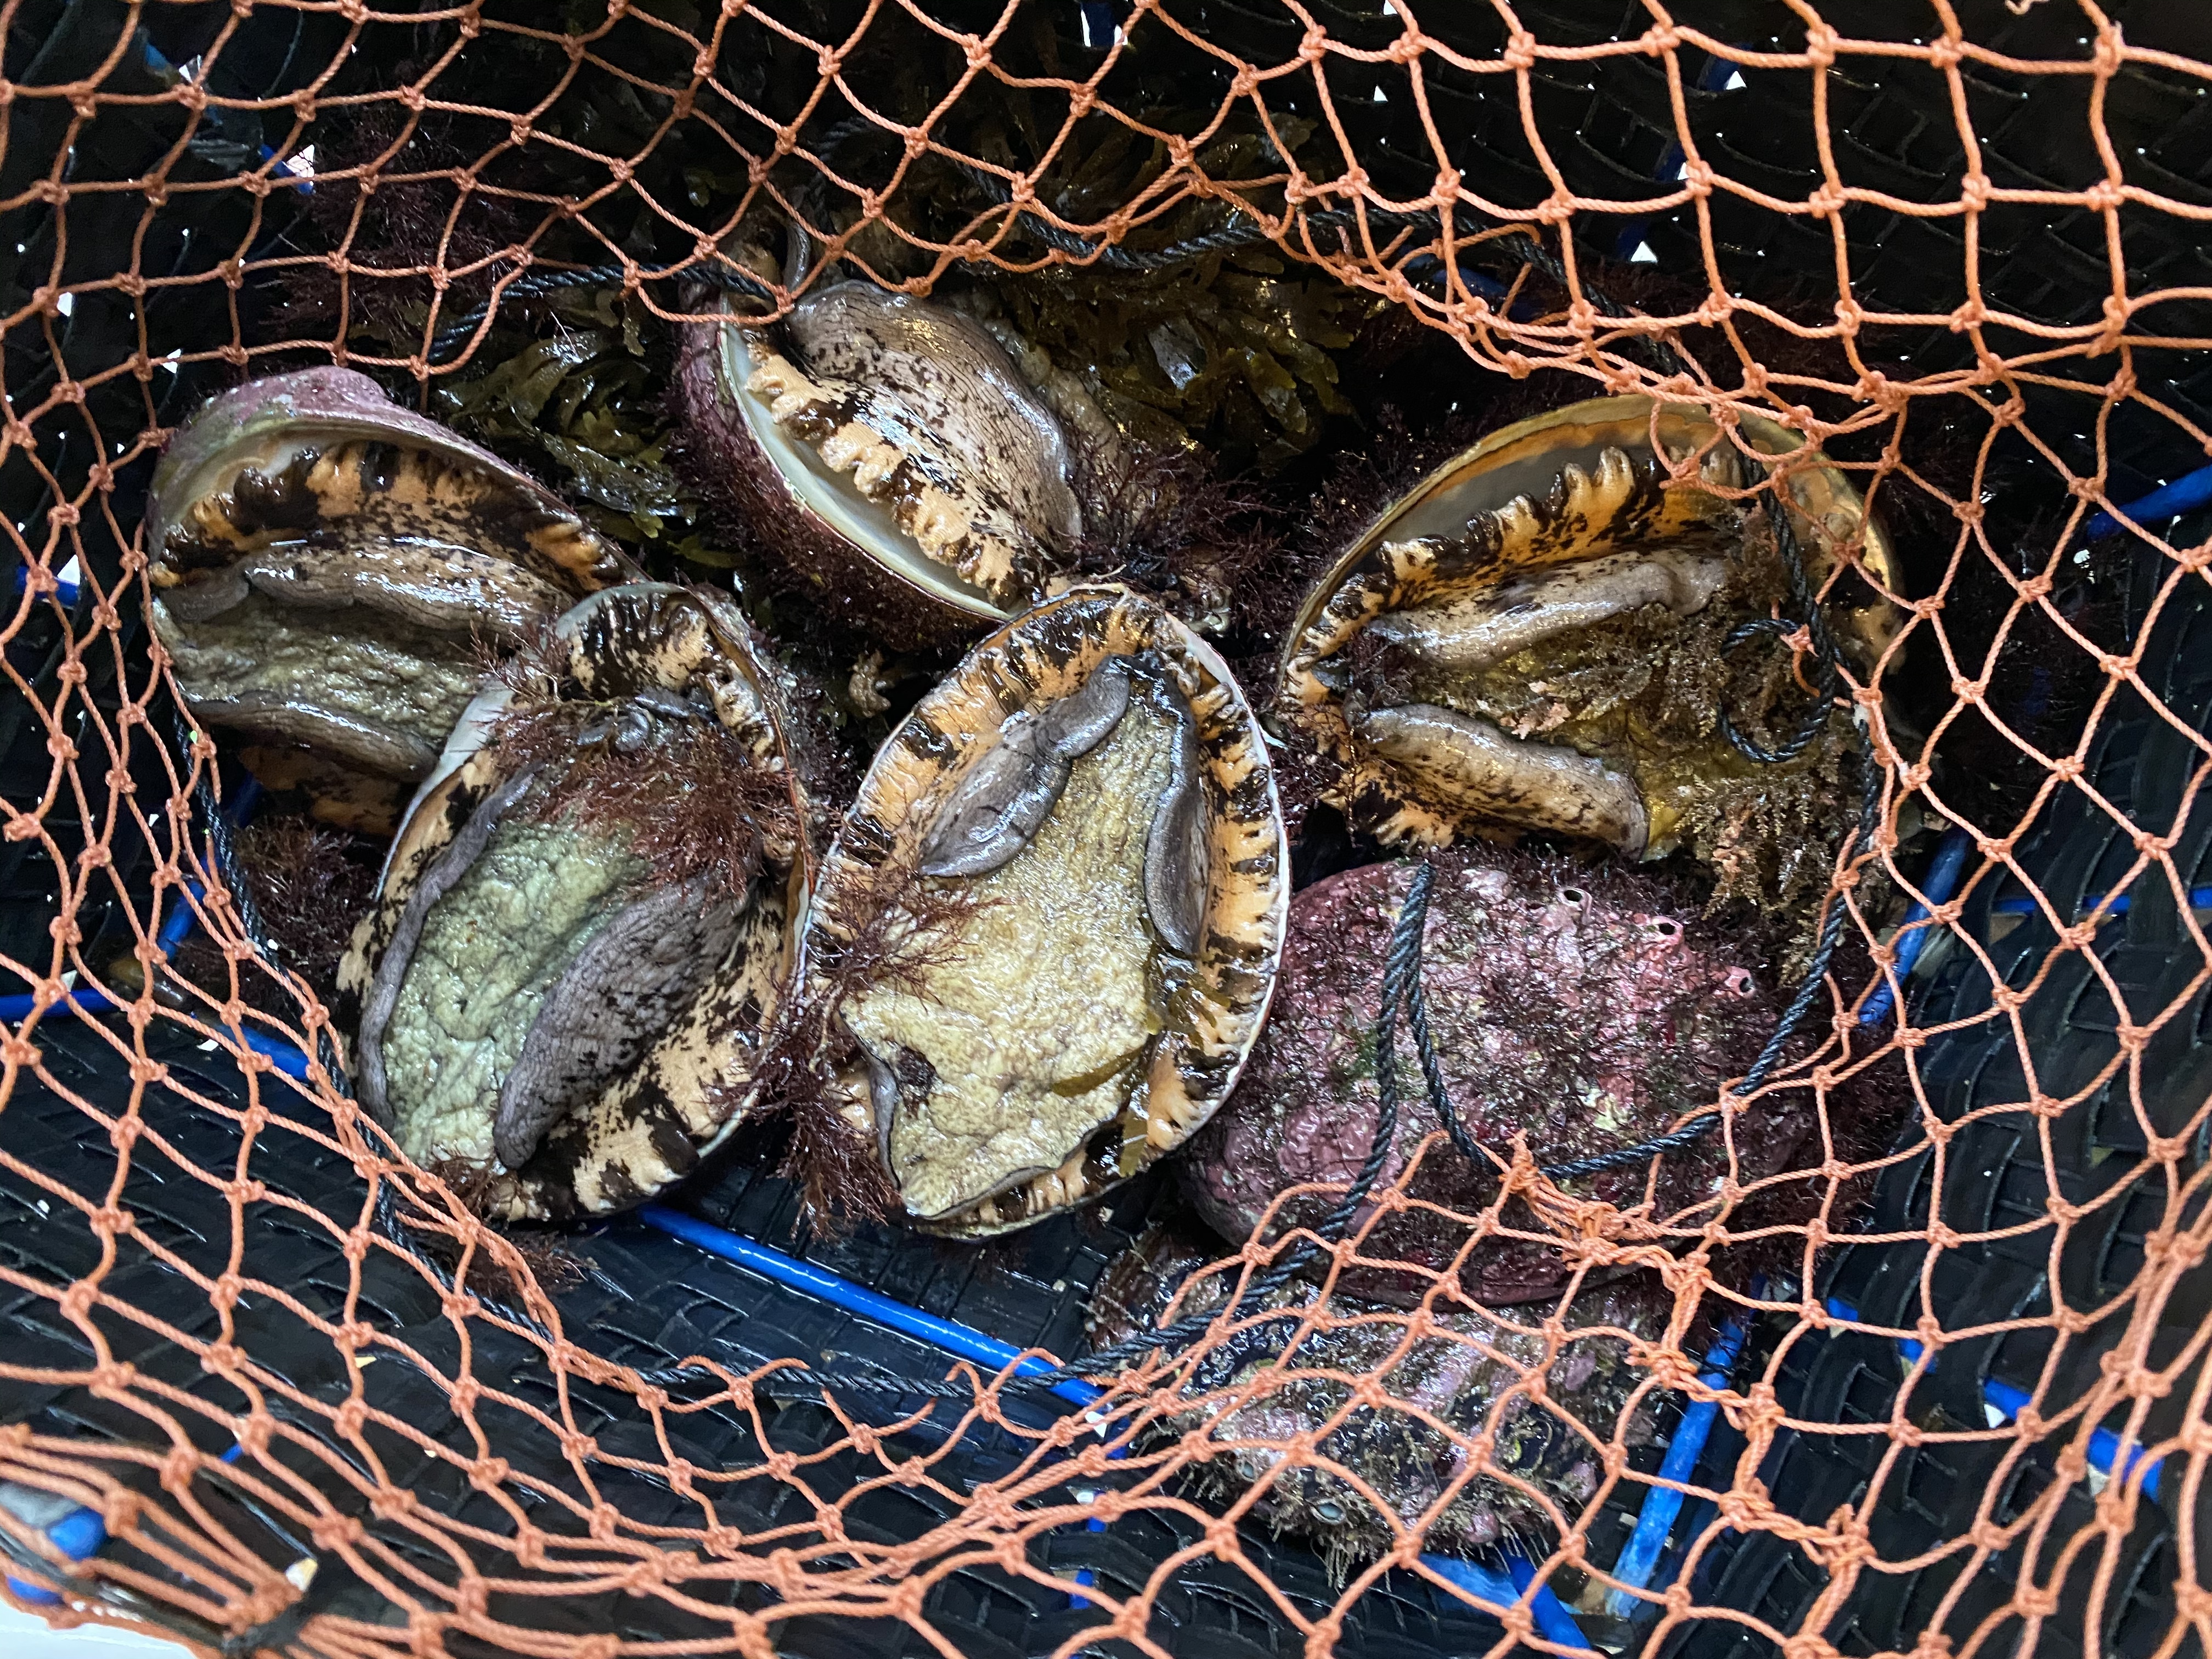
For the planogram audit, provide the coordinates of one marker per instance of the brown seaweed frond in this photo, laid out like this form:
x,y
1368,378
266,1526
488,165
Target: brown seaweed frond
x,y
311,884
801,1073
385,188
690,804
470,1179
477,1183
533,665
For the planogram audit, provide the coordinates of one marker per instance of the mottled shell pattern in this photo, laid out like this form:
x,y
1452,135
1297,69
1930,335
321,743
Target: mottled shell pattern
x,y
1446,1378
1542,528
1050,685
891,452
676,993
327,568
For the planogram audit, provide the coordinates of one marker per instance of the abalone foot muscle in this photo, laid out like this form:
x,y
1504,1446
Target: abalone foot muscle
x,y
445,873
440,590
1064,879
1474,632
381,750
1007,795
620,994
1478,770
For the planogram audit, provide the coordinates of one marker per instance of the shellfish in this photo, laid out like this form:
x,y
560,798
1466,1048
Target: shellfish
x,y
580,935
1048,928
1460,1378
1568,1005
329,569
1533,639
889,451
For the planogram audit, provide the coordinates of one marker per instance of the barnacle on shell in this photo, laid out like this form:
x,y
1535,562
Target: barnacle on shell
x,y
1532,640
1049,928
329,570
581,933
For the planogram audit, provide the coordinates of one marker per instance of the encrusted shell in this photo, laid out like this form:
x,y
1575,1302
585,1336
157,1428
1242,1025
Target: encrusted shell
x,y
1582,490
1446,1379
1572,1006
693,1079
1205,1011
327,568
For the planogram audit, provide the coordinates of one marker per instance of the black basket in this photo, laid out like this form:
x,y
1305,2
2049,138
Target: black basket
x,y
648,1301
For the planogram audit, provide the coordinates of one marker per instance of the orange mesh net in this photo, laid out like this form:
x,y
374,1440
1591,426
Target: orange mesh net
x,y
1956,247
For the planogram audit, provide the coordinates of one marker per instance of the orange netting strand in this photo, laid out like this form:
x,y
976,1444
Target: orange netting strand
x,y
317,1461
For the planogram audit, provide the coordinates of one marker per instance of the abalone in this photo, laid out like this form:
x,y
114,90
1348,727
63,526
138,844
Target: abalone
x,y
1048,928
332,573
1461,1375
581,937
1535,640
894,456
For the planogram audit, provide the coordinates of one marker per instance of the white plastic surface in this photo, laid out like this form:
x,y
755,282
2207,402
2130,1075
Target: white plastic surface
x,y
22,1636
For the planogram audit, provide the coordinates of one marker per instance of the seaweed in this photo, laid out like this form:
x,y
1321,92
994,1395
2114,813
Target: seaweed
x,y
586,406
889,929
310,884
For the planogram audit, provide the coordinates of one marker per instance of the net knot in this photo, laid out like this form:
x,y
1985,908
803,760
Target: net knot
x,y
647,1573
1520,54
1747,1508
385,1503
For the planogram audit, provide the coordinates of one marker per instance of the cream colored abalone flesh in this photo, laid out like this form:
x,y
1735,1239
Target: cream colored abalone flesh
x,y
1064,883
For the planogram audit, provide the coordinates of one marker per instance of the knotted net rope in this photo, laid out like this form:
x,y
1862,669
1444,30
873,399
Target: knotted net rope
x,y
1987,219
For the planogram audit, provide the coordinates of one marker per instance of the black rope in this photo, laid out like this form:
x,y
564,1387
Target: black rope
x,y
1827,657
1400,974
723,277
